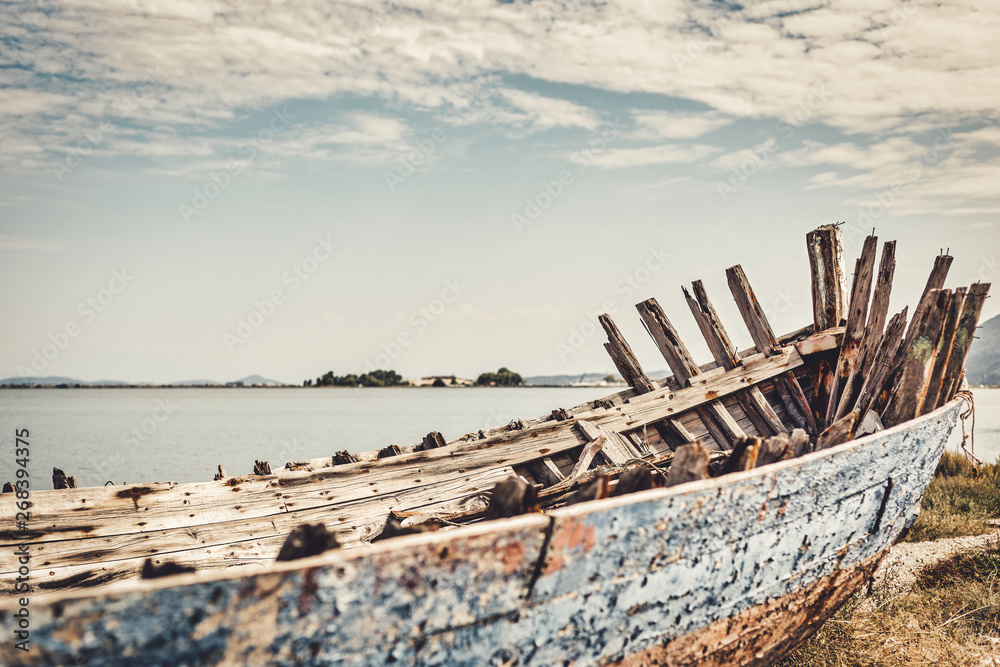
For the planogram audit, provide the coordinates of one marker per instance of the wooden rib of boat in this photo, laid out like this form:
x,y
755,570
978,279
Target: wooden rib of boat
x,y
782,491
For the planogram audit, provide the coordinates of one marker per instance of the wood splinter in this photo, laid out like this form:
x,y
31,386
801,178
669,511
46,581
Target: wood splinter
x,y
512,497
61,481
690,464
307,539
261,468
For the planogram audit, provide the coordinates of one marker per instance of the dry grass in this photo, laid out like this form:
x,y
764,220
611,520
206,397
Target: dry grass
x,y
951,615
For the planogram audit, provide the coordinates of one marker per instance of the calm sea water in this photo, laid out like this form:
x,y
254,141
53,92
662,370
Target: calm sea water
x,y
143,435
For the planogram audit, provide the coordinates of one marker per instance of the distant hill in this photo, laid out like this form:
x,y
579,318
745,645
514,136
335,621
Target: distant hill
x,y
54,379
982,366
257,379
112,383
191,383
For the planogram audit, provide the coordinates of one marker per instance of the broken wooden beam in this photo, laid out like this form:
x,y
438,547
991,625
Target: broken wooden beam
x,y
756,407
386,452
714,415
935,281
838,432
690,464
307,540
612,447
743,457
512,497
344,457
61,481
638,479
763,337
829,282
432,440
624,359
857,318
918,355
873,333
971,309
943,351
882,363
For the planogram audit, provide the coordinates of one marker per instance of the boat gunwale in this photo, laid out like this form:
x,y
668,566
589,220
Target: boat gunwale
x,y
543,521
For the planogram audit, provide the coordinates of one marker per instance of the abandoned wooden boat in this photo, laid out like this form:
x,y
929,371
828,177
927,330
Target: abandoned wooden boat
x,y
807,491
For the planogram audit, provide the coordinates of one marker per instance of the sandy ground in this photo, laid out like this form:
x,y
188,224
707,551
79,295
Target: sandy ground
x,y
906,560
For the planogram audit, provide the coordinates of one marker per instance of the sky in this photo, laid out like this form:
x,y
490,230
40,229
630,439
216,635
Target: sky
x,y
208,190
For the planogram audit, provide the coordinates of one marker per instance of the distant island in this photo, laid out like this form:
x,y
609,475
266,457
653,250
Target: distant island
x,y
502,377
59,382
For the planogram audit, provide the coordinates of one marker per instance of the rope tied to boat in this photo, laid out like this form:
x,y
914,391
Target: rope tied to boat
x,y
969,438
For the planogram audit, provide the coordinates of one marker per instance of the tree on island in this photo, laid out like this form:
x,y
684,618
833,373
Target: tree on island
x,y
502,378
376,378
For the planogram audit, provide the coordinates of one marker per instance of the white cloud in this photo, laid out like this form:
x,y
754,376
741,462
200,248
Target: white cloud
x,y
666,125
888,71
619,158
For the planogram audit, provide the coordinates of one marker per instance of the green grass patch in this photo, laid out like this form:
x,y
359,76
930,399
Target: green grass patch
x,y
959,501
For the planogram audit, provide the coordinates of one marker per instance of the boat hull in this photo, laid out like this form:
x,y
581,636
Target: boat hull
x,y
737,570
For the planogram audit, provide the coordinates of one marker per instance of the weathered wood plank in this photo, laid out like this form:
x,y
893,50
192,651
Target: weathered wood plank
x,y
943,351
623,357
935,281
668,342
763,337
753,315
908,396
829,283
874,330
880,302
838,432
723,350
821,341
971,309
690,464
756,407
250,539
882,363
857,317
